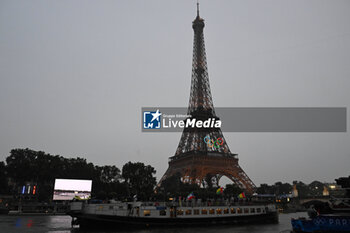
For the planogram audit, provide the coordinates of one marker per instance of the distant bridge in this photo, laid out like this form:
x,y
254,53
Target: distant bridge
x,y
312,199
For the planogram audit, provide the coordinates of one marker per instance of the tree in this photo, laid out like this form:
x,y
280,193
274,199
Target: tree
x,y
316,188
109,174
208,181
265,189
212,180
171,186
232,190
79,168
3,179
140,179
282,188
21,160
107,178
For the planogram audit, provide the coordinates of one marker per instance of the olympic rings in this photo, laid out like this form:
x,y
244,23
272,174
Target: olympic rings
x,y
210,142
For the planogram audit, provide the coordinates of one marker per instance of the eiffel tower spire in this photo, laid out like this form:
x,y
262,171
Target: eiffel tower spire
x,y
200,88
197,8
203,152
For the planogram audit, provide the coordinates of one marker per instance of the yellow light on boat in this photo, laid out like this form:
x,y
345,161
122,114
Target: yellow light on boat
x,y
170,198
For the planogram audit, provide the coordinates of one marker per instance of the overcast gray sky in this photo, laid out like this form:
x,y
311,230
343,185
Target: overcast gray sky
x,y
75,74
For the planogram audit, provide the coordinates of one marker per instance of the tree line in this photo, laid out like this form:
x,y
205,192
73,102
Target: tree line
x,y
314,189
25,166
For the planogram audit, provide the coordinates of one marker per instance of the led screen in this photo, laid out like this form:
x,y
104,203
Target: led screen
x,y
67,189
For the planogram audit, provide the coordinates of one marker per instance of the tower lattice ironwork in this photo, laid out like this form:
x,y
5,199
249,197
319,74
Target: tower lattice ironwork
x,y
196,159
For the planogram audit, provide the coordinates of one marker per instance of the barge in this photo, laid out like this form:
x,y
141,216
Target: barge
x,y
141,215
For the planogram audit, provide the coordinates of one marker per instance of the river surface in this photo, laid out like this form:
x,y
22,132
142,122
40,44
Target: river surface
x,y
62,224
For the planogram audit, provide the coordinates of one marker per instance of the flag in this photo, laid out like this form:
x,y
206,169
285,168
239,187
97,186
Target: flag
x,y
190,196
220,190
241,195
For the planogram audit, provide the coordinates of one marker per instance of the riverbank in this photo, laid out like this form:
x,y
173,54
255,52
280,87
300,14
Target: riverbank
x,y
62,223
16,213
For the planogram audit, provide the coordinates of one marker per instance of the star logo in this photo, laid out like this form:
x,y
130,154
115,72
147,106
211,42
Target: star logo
x,y
156,115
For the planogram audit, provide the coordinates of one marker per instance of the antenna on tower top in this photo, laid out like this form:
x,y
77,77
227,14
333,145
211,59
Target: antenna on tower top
x,y
197,8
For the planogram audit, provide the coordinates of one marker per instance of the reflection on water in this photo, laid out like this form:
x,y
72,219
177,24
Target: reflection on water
x,y
62,224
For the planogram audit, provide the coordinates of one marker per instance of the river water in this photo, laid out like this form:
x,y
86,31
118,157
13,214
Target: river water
x,y
62,224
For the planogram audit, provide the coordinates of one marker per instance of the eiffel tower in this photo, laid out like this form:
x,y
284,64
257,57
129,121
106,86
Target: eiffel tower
x,y
203,152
